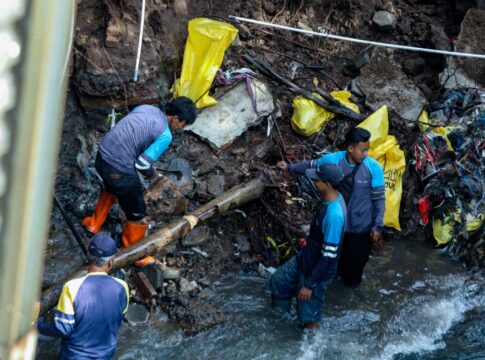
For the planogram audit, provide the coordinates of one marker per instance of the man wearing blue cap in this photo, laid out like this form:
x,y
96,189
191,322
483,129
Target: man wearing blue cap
x,y
88,315
308,273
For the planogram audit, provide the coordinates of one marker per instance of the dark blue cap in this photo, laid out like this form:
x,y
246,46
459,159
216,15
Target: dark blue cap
x,y
330,173
102,245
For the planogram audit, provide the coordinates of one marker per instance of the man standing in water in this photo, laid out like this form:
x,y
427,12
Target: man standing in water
x,y
131,147
365,198
308,273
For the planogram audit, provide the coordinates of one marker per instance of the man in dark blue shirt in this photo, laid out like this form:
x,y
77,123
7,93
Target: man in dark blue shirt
x,y
366,204
131,147
307,274
88,315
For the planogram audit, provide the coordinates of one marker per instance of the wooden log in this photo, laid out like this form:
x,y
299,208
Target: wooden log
x,y
231,199
334,105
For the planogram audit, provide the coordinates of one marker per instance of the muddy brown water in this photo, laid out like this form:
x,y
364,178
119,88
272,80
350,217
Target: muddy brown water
x,y
414,303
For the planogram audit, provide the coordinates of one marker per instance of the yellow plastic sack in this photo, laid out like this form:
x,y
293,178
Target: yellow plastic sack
x,y
424,121
444,131
394,164
385,149
443,233
474,223
308,118
204,52
378,125
424,125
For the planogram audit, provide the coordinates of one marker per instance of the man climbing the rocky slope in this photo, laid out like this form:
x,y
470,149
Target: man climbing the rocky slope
x,y
90,309
364,192
307,274
131,147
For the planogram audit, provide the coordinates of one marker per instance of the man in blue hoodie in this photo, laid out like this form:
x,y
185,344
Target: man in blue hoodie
x,y
307,274
131,147
366,200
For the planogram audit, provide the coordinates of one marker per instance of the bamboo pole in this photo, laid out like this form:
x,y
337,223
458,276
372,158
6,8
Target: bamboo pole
x,y
231,199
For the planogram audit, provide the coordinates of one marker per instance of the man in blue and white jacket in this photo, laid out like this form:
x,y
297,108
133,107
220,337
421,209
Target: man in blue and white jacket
x,y
307,274
90,308
131,147
366,204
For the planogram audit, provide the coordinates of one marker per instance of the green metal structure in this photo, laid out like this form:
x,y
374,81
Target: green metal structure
x,y
35,41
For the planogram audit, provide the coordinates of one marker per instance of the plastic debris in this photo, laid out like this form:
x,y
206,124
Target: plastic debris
x,y
450,159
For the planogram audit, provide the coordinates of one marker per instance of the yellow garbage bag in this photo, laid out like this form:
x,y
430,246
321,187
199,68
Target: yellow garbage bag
x,y
444,131
380,150
204,52
394,164
378,125
424,121
474,222
308,118
443,229
424,125
385,149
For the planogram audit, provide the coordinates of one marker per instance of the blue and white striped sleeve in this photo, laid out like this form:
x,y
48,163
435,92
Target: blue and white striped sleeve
x,y
332,234
332,228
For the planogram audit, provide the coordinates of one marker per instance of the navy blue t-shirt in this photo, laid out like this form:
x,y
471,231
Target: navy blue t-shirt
x,y
318,260
88,316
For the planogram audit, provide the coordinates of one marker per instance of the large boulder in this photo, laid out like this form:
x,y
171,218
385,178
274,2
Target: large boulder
x,y
467,72
385,83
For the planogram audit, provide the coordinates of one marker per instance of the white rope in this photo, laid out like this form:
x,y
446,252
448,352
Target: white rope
x,y
112,118
140,40
359,41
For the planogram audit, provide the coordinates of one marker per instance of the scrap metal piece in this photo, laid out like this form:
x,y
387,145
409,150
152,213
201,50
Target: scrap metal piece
x,y
144,286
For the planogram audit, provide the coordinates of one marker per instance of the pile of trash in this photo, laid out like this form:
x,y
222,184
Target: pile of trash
x,y
450,160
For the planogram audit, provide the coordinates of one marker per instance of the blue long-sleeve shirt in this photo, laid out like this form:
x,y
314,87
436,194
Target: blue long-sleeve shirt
x,y
318,260
367,204
88,316
137,141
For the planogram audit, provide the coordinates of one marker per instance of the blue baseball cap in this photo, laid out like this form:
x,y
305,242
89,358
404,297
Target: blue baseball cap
x,y
330,173
102,245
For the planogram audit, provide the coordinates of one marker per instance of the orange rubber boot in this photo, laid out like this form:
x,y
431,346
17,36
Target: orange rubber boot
x,y
94,222
134,232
